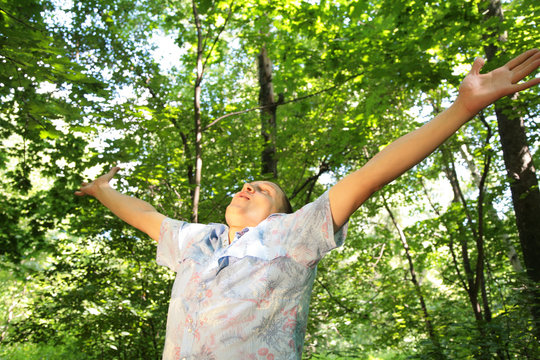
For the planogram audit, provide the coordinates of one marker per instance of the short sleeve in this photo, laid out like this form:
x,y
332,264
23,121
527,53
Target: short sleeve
x,y
308,234
179,240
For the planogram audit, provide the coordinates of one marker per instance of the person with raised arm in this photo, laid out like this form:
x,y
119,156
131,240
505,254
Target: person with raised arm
x,y
242,289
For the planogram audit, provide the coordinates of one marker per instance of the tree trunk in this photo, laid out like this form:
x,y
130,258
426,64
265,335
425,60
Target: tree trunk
x,y
492,214
469,285
520,168
195,195
268,115
427,319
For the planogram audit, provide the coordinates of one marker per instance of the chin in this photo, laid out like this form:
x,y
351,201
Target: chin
x,y
231,213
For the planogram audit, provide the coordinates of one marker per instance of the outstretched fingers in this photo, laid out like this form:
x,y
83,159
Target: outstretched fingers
x,y
526,84
80,192
518,60
526,66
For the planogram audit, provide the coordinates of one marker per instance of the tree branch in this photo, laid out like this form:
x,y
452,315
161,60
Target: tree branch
x,y
217,36
378,258
20,21
200,46
451,244
427,318
480,238
450,171
328,89
324,167
337,301
12,60
462,199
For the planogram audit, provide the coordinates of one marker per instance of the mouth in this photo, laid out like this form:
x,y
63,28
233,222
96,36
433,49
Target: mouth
x,y
243,195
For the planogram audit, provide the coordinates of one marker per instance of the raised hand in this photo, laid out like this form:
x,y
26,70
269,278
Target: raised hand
x,y
480,90
476,92
135,212
92,187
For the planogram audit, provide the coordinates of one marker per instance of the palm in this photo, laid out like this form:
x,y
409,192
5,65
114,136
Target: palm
x,y
91,187
479,90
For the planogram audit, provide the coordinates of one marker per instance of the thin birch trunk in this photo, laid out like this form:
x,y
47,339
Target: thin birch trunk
x,y
195,196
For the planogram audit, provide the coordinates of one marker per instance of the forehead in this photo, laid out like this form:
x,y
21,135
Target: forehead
x,y
269,183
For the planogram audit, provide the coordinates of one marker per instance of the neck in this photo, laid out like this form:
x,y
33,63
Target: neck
x,y
232,231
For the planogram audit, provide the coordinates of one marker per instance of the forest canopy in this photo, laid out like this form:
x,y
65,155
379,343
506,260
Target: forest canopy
x,y
193,98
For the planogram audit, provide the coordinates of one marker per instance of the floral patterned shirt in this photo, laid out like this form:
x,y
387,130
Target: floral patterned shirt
x,y
249,299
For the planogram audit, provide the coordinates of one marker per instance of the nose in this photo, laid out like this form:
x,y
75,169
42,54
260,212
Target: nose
x,y
248,188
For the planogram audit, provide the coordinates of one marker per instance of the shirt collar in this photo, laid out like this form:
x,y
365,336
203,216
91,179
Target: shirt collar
x,y
241,233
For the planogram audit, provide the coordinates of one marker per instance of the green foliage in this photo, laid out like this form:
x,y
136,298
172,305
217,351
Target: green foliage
x,y
41,351
113,290
36,149
83,88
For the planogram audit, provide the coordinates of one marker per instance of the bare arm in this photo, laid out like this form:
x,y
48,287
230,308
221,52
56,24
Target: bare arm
x,y
476,92
135,212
